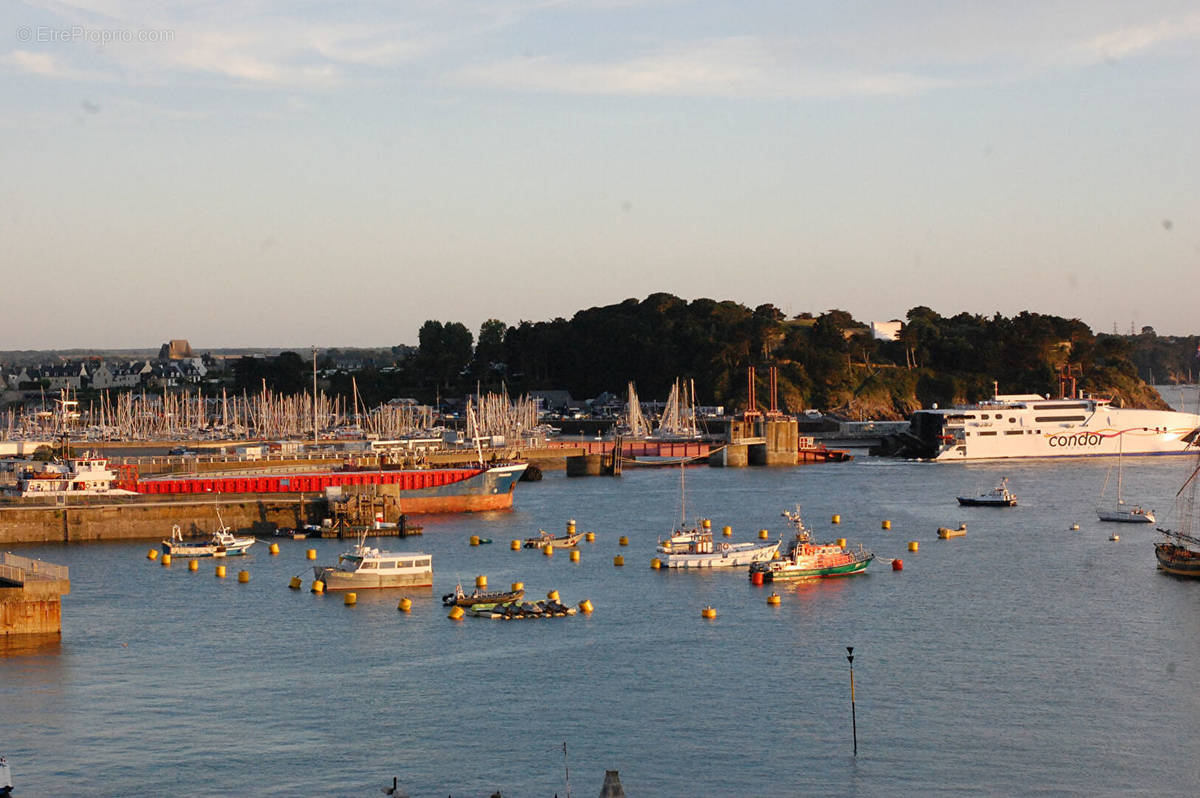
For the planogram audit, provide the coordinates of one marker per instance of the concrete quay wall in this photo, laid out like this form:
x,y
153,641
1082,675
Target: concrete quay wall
x,y
152,518
35,609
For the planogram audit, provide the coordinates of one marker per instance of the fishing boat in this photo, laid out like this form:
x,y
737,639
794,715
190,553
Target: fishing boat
x,y
223,543
365,568
1179,552
1029,425
479,597
1122,512
544,538
804,559
999,496
693,547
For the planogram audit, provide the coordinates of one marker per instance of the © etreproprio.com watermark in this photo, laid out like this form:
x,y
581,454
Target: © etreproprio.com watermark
x,y
81,33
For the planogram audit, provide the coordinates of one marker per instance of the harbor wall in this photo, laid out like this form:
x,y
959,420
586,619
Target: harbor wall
x,y
35,608
135,519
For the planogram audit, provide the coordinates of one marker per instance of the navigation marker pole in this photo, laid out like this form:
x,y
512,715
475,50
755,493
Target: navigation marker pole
x,y
853,718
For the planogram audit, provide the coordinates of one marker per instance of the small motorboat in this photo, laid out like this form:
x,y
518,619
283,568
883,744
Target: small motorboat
x,y
544,538
999,496
223,543
460,598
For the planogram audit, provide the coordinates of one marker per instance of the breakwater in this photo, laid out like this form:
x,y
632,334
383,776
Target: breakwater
x,y
142,518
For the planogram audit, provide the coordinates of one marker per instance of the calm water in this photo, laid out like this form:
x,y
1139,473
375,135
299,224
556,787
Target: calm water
x,y
1025,658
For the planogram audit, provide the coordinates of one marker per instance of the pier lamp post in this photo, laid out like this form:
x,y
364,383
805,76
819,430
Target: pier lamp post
x,y
853,719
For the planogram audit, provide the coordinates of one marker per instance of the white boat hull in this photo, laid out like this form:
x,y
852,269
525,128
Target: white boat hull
x,y
1126,516
736,556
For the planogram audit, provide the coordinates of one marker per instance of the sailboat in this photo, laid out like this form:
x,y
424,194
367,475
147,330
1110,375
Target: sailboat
x,y
694,548
1179,552
1130,514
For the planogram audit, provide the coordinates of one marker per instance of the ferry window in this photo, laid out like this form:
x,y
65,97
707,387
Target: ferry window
x,y
1059,418
388,564
404,563
423,562
370,565
990,432
1014,432
1012,421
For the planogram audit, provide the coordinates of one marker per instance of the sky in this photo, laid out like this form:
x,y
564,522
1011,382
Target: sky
x,y
267,173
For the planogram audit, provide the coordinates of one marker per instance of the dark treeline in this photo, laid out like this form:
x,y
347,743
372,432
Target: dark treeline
x,y
829,361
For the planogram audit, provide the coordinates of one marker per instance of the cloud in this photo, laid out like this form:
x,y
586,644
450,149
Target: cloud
x,y
45,65
1125,42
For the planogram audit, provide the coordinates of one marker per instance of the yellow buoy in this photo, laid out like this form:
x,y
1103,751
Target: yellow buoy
x,y
243,576
318,586
166,559
623,540
656,564
585,607
706,523
273,548
552,595
837,519
574,555
773,599
294,583
708,612
518,586
350,599
1075,527
474,540
913,545
481,582
311,554
193,565
886,524
762,534
618,560
152,554
515,545
590,537
405,604
548,549
841,542
727,531
220,572
571,527
456,613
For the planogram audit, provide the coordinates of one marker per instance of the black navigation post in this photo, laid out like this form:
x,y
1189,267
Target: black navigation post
x,y
853,719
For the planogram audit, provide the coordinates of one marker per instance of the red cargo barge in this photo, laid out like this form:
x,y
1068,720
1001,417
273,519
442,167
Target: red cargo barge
x,y
432,490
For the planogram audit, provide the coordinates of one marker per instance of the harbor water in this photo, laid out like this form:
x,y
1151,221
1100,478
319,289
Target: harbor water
x,y
1025,658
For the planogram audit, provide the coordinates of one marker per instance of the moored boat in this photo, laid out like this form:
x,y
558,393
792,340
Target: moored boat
x,y
365,568
999,496
1123,513
694,548
1179,552
479,597
223,543
6,784
544,538
804,559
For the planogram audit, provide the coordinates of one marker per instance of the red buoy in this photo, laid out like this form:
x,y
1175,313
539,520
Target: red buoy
x,y
897,564
756,578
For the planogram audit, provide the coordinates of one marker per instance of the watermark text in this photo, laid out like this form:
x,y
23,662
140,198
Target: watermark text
x,y
76,34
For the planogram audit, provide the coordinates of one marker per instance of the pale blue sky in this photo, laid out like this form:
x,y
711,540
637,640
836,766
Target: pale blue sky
x,y
281,174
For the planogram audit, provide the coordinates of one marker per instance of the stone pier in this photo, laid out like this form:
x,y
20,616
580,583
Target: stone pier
x,y
31,594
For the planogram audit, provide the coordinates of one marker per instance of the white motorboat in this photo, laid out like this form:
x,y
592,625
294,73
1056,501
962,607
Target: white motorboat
x,y
694,548
365,567
223,543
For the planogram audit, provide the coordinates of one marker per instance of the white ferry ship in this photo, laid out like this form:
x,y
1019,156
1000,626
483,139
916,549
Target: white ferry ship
x,y
1028,425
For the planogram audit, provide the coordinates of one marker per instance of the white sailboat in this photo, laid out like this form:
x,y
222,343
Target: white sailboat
x,y
1122,512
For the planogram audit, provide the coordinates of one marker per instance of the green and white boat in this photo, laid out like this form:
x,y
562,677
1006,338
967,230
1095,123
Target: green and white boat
x,y
804,559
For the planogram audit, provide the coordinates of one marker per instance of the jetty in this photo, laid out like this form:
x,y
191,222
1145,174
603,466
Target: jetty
x,y
31,594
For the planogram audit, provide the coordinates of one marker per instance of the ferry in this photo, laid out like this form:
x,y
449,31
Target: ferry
x,y
1029,425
